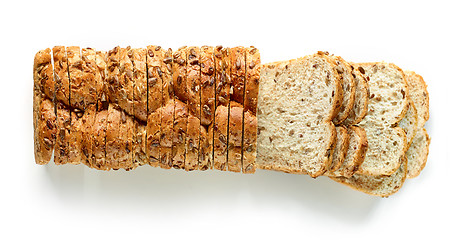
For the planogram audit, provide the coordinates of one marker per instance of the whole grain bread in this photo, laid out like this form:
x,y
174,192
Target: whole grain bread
x,y
153,137
382,185
340,150
44,119
362,94
249,142
180,108
387,105
234,160
419,94
417,153
409,122
167,113
87,121
192,143
355,153
113,73
208,108
221,122
112,138
348,85
62,93
98,130
88,75
295,132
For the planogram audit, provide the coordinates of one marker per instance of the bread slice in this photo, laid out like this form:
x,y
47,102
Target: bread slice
x,y
387,105
237,79
112,138
98,129
154,102
409,122
128,136
139,105
61,76
355,153
253,69
340,150
417,153
419,149
44,118
167,114
419,95
193,102
362,95
87,122
222,91
181,110
220,128
178,139
76,101
348,85
207,98
295,132
234,163
382,185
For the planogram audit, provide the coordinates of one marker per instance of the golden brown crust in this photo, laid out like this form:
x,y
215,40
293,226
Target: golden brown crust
x,y
43,109
87,122
181,109
234,161
207,96
153,138
222,91
113,74
362,95
126,80
192,143
178,143
167,115
61,74
339,154
249,142
113,139
139,106
98,131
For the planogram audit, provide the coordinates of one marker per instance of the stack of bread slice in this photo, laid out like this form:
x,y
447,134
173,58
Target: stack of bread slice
x,y
199,108
375,135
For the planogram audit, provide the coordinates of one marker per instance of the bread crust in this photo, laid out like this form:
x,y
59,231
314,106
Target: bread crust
x,y
362,94
167,114
62,94
207,99
181,109
222,91
43,108
113,139
139,106
348,85
413,170
340,149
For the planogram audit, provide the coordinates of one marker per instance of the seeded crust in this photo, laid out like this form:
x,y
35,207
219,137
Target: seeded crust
x,y
98,129
355,153
167,114
76,100
362,94
139,106
178,139
295,132
87,122
61,101
249,142
207,98
220,137
237,79
340,150
43,109
382,185
153,137
220,127
253,69
193,102
387,106
348,85
127,141
113,139
180,110
417,153
192,143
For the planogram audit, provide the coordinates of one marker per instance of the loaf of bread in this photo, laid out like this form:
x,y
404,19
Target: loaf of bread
x,y
361,124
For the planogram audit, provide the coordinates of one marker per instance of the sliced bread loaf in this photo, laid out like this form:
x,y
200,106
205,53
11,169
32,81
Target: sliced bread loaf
x,y
295,132
362,94
340,150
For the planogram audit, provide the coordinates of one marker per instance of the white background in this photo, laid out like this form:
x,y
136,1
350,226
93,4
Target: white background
x,y
73,202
